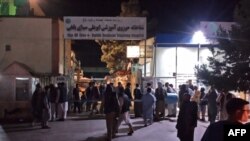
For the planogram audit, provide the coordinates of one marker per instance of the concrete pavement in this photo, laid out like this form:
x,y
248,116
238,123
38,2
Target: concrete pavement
x,y
83,128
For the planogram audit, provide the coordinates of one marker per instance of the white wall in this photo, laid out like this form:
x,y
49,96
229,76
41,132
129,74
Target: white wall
x,y
30,41
165,61
187,58
183,65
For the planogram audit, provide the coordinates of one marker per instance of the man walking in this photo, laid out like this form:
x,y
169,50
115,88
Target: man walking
x,y
148,106
124,108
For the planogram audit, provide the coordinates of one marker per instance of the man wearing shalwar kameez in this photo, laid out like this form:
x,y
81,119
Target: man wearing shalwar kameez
x,y
160,94
148,105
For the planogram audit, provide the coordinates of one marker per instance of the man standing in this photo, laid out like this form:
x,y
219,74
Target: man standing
x,y
111,110
160,102
53,97
196,98
37,104
148,105
212,104
203,104
63,102
102,88
95,98
187,119
40,105
171,101
149,85
237,110
222,100
137,101
89,94
76,98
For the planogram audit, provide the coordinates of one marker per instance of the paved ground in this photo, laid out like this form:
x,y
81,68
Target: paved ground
x,y
83,128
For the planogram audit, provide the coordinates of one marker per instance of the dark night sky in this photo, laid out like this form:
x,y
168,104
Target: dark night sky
x,y
174,16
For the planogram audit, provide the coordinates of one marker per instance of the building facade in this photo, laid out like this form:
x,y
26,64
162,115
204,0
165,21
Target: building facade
x,y
36,46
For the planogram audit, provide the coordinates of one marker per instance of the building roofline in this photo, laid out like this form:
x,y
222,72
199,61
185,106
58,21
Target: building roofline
x,y
39,17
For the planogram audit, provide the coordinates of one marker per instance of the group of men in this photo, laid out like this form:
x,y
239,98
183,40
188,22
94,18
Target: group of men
x,y
233,112
49,103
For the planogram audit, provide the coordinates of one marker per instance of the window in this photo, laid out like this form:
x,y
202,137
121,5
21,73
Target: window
x,y
22,89
7,48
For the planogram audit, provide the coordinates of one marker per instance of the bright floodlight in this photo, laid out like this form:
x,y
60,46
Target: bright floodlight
x,y
199,38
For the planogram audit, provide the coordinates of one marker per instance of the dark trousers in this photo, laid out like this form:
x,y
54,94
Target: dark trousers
x,y
94,107
138,108
160,109
78,106
111,125
187,135
88,106
212,113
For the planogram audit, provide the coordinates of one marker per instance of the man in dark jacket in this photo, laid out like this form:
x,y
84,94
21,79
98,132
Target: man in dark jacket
x,y
160,94
127,91
124,111
187,119
238,111
53,97
111,110
137,101
63,102
76,98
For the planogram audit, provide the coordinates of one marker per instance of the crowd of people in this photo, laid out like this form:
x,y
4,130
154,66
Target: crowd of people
x,y
194,105
49,103
150,104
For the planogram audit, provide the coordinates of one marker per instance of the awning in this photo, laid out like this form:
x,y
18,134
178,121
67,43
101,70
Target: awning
x,y
177,40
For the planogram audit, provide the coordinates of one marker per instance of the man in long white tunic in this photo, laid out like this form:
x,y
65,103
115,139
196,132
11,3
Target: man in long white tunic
x,y
148,105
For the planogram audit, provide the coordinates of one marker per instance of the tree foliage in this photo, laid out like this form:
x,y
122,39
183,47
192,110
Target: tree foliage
x,y
114,52
229,67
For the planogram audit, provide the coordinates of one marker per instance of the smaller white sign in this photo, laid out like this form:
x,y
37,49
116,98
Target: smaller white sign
x,y
60,79
133,51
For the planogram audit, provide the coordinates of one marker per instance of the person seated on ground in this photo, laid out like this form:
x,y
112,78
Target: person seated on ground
x,y
237,110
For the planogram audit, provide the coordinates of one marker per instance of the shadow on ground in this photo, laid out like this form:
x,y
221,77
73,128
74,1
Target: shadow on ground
x,y
121,133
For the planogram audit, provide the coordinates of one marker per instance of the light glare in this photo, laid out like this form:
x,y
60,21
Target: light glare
x,y
199,38
22,78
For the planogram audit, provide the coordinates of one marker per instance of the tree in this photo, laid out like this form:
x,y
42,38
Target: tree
x,y
114,52
229,68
